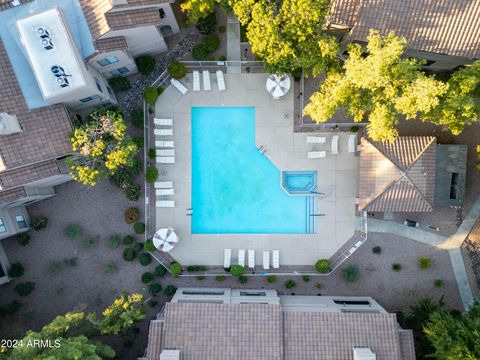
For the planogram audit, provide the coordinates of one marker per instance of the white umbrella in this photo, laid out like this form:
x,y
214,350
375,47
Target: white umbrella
x,y
278,85
165,239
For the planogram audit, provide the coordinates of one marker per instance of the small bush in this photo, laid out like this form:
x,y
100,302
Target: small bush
x,y
160,271
199,52
169,290
149,246
200,277
120,84
222,58
150,95
145,259
10,309
90,241
72,262
147,277
243,279
222,29
24,289
237,270
396,267
289,284
55,267
137,118
323,266
354,129
154,288
219,278
139,228
131,215
145,64
16,270
318,286
132,192
271,279
424,263
211,42
137,247
39,223
177,70
151,174
139,142
297,74
127,240
306,278
176,269
23,239
152,303
152,153
207,25
350,273
377,250
113,241
438,283
110,267
73,231
135,167
193,268
128,254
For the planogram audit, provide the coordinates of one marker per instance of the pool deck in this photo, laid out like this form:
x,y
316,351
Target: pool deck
x,y
337,175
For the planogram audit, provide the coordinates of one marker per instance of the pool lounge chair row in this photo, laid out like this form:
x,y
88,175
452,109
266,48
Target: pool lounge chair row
x,y
196,82
251,258
164,188
351,145
164,156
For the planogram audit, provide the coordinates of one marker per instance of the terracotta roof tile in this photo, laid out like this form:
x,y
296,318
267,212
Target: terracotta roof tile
x,y
155,339
131,3
111,44
94,11
28,174
12,195
407,345
133,18
344,12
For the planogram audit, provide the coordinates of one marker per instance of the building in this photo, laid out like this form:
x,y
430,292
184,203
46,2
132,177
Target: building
x,y
55,61
444,32
203,323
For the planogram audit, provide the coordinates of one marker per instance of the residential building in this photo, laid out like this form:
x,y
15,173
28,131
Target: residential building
x,y
445,33
211,323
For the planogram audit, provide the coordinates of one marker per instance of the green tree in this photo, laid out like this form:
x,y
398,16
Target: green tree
x,y
100,147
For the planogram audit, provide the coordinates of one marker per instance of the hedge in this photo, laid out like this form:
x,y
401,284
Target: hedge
x,y
176,269
323,266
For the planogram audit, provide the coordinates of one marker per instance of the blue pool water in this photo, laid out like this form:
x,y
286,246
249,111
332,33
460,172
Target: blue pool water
x,y
299,182
236,189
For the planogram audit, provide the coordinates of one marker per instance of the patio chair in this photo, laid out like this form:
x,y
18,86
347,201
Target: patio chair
x,y
163,184
206,80
266,260
251,259
316,139
163,132
335,144
220,80
166,159
164,192
196,81
241,257
227,258
316,154
163,122
164,144
352,143
165,203
179,86
276,259
165,152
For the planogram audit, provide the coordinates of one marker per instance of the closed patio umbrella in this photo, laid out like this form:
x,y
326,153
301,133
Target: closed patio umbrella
x,y
165,239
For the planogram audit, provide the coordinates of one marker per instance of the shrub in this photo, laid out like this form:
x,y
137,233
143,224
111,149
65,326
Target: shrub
x,y
243,279
128,254
149,246
150,95
120,84
16,270
145,64
127,240
72,262
23,239
137,247
90,241
152,303
323,266
438,283
396,267
207,25
135,167
154,288
200,277
151,174
211,42
297,74
139,142
354,129
160,271
222,29
121,178
176,269
39,223
9,309
237,270
137,118
55,266
199,52
139,227
222,58
176,69
306,278
132,192
318,286
350,273
377,250
424,263
271,279
193,268
130,215
219,278
152,153
109,267
113,241
73,231
145,259
289,284
147,277
24,289
169,290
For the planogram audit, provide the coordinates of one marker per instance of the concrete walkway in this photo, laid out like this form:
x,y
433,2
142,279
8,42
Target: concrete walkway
x,y
233,44
461,276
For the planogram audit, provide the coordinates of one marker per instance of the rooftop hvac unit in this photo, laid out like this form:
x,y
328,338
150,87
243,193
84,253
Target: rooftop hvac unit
x,y
61,75
46,40
170,354
63,81
9,124
363,353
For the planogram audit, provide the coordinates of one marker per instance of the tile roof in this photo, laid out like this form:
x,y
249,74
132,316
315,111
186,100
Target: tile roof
x,y
344,12
28,174
7,4
111,44
399,176
12,195
131,3
94,11
118,20
155,339
407,345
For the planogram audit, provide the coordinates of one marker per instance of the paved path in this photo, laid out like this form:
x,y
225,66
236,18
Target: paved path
x,y
233,44
461,276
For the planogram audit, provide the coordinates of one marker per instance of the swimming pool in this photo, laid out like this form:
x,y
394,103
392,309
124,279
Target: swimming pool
x,y
299,182
236,189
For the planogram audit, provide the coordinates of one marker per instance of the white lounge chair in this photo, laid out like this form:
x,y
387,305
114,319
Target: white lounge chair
x,y
227,257
316,139
164,144
163,184
335,144
163,122
266,260
316,154
165,203
276,259
166,152
241,257
164,192
179,86
166,159
251,259
220,80
196,81
352,143
163,132
206,80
